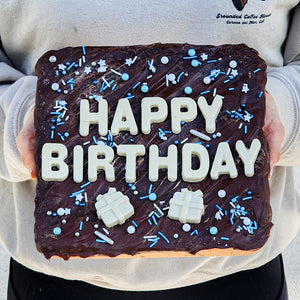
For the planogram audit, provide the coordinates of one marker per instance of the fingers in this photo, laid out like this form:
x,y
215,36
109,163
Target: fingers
x,y
273,130
25,145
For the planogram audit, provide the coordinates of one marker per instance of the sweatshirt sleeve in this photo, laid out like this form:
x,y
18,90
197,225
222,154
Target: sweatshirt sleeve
x,y
284,85
17,94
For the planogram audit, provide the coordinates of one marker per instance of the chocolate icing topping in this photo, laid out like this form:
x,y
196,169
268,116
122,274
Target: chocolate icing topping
x,y
65,211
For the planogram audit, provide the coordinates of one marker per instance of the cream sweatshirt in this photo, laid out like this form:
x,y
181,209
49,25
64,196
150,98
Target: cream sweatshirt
x,y
30,28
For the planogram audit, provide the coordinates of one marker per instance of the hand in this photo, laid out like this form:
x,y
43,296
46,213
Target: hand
x,y
273,130
25,145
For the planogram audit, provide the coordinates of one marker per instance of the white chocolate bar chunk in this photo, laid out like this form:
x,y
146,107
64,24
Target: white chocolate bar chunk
x,y
113,207
186,206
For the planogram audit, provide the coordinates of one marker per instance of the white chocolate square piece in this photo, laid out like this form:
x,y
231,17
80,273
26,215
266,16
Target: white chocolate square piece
x,y
113,208
186,206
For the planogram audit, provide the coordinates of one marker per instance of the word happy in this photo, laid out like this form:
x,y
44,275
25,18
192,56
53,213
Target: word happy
x,y
153,110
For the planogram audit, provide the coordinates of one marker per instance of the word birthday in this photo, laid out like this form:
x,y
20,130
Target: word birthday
x,y
153,110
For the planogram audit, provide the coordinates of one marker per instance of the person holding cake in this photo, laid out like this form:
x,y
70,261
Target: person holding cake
x,y
28,29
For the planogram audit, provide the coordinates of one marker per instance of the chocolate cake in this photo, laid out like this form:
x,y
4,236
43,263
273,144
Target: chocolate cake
x,y
149,151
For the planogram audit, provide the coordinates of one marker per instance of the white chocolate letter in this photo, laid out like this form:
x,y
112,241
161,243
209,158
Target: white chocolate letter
x,y
123,119
223,162
182,109
95,163
131,152
149,116
49,162
210,112
156,162
87,118
188,174
248,156
78,163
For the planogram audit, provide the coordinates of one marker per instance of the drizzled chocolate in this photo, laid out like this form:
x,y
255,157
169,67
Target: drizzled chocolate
x,y
237,211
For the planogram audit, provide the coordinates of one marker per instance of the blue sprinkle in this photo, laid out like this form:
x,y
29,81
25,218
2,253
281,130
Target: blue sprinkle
x,y
213,230
149,221
71,66
114,86
260,94
224,238
164,237
226,80
211,61
192,52
205,92
218,207
179,76
247,198
231,89
154,243
95,140
144,88
194,232
57,231
80,225
95,82
100,241
84,185
195,63
83,50
152,197
188,90
154,220
54,214
136,85
134,224
245,129
255,71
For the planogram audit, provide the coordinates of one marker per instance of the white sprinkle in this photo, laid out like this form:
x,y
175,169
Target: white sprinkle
x,y
183,141
93,63
221,193
83,59
105,230
60,211
206,80
80,62
134,59
186,227
55,86
200,135
105,81
67,118
131,229
246,221
87,219
52,59
116,72
77,234
218,134
166,208
172,77
96,226
241,125
63,82
150,76
164,60
215,92
158,209
85,197
49,213
233,64
150,236
135,192
63,221
176,235
228,71
104,237
86,143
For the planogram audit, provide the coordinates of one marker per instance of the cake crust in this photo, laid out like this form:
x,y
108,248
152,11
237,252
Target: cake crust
x,y
237,214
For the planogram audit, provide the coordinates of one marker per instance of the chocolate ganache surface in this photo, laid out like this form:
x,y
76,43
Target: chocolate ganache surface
x,y
237,212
